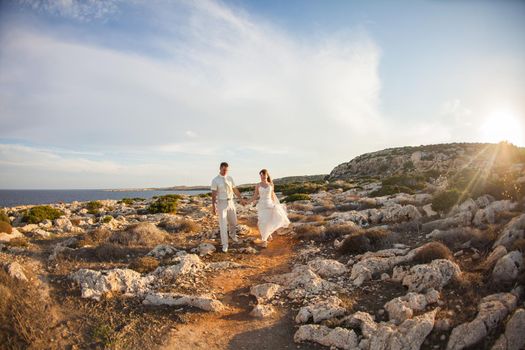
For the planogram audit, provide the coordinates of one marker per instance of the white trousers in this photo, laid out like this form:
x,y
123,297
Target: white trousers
x,y
227,219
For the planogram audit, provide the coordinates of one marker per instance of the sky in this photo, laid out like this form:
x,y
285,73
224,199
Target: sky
x,y
130,94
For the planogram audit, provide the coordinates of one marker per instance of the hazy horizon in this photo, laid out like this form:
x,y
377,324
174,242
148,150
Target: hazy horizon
x,y
136,94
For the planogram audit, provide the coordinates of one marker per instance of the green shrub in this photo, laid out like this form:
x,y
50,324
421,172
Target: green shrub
x,y
444,201
5,227
130,201
93,207
297,197
204,195
40,213
4,217
165,204
107,219
302,187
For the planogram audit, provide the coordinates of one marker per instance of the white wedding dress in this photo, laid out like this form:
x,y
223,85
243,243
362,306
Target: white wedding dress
x,y
271,215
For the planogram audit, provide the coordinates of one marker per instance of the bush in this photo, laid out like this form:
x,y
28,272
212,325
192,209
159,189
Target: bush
x,y
130,201
339,230
144,234
310,232
18,242
432,251
93,207
94,237
107,219
360,242
444,201
4,217
165,204
297,197
40,213
144,264
5,227
299,188
112,252
24,315
175,225
294,217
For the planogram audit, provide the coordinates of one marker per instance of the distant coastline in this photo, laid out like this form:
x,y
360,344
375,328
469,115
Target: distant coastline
x,y
173,188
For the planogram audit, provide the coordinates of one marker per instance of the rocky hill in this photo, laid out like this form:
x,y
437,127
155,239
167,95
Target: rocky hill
x,y
440,158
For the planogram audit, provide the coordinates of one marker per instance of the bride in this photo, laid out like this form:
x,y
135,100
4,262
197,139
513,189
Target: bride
x,y
271,214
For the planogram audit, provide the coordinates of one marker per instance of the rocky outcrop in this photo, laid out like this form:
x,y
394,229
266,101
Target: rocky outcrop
x,y
327,267
162,251
508,267
376,262
513,338
186,264
321,310
265,292
402,308
262,311
203,302
435,275
302,277
491,311
514,230
338,337
95,284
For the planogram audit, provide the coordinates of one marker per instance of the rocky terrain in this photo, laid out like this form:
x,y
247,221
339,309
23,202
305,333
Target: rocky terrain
x,y
421,256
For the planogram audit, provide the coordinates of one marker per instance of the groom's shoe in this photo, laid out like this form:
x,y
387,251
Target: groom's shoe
x,y
224,249
234,238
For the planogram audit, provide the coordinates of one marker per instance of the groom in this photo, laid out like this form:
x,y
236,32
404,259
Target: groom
x,y
222,190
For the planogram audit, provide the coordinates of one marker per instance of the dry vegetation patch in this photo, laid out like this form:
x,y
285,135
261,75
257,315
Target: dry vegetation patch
x,y
141,234
24,315
175,225
432,251
144,264
373,239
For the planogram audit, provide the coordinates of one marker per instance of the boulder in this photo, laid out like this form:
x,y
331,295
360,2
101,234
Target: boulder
x,y
338,337
95,284
162,250
186,264
402,308
514,230
496,254
327,267
513,338
206,249
203,302
434,275
460,219
488,214
377,262
321,310
265,292
262,311
302,277
508,267
63,224
491,311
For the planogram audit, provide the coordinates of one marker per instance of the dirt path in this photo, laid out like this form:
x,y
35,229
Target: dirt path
x,y
235,328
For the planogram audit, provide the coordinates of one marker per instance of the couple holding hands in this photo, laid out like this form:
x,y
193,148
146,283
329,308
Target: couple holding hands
x,y
271,215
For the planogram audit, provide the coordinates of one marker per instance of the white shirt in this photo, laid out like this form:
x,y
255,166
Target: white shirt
x,y
224,186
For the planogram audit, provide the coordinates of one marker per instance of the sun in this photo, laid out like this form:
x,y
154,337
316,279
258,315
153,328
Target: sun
x,y
503,125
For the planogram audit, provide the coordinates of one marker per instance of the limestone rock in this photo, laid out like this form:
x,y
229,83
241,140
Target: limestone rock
x,y
206,249
514,230
321,310
186,264
302,277
6,237
508,267
162,250
262,311
94,284
435,275
338,337
203,302
327,267
265,292
491,311
513,338
402,308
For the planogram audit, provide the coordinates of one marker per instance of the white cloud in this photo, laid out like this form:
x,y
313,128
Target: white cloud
x,y
248,89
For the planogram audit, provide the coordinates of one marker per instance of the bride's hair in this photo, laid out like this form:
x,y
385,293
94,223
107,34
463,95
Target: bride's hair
x,y
265,172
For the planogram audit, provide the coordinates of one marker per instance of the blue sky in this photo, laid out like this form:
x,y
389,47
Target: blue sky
x,y
155,93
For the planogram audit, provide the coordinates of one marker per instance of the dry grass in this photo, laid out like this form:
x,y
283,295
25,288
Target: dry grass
x,y
144,264
24,316
141,234
5,227
310,232
18,242
176,225
339,230
313,218
94,237
75,221
111,252
479,239
519,244
299,206
294,217
364,241
432,251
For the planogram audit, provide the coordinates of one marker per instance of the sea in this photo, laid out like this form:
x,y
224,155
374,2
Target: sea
x,y
11,198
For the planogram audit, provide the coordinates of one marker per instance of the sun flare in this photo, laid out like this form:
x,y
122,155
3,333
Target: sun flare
x,y
503,125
